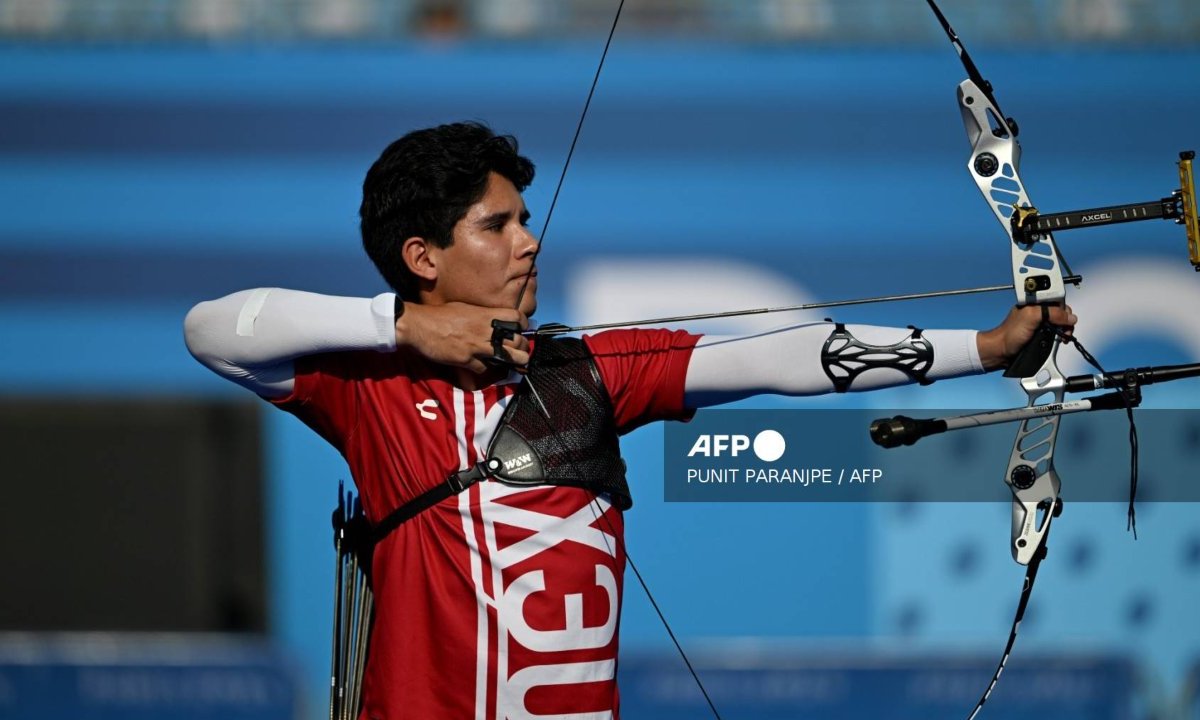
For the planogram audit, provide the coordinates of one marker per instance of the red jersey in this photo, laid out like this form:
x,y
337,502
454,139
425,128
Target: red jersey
x,y
500,603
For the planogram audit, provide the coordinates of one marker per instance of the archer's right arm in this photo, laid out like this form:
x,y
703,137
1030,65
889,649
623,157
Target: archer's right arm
x,y
252,337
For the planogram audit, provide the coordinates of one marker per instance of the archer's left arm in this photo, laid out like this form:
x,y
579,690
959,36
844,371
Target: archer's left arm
x,y
818,358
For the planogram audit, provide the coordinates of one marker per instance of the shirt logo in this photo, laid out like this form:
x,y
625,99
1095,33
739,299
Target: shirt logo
x,y
421,408
518,463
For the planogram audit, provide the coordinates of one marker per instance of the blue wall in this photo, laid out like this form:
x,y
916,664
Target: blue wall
x,y
137,181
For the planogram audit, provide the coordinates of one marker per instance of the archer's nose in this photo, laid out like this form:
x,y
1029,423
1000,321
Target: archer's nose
x,y
528,244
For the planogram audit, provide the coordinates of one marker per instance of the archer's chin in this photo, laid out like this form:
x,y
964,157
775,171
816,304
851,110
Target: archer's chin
x,y
529,302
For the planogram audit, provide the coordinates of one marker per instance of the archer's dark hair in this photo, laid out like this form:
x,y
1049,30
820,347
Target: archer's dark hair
x,y
423,184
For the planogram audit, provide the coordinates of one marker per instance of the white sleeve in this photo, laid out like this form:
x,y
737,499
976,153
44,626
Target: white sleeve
x,y
787,361
251,337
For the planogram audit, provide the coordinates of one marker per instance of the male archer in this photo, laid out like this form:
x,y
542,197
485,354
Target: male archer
x,y
498,495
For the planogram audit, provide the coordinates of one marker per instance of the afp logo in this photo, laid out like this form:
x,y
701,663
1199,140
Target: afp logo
x,y
768,445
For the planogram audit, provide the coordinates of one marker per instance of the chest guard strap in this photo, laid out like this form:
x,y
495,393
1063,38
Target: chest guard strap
x,y
558,429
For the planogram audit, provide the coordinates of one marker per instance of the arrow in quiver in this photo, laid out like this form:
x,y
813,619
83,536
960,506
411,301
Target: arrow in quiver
x,y
353,605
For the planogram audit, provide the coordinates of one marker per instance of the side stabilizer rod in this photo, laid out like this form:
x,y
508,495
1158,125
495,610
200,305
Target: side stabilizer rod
x,y
903,430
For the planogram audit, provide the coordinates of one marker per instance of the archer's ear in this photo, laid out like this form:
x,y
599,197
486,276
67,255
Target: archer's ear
x,y
420,261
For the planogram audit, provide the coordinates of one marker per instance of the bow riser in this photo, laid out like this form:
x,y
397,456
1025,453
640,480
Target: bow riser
x,y
1037,279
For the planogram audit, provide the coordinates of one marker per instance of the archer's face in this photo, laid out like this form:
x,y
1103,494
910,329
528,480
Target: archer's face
x,y
492,252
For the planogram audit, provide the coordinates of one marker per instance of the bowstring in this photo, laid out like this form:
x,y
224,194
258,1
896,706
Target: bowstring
x,y
570,154
597,510
601,516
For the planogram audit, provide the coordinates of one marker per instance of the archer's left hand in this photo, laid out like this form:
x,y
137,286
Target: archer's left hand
x,y
998,346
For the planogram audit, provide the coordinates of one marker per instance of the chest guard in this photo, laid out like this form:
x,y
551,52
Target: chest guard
x,y
557,429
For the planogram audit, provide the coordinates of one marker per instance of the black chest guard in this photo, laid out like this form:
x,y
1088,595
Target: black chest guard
x,y
558,429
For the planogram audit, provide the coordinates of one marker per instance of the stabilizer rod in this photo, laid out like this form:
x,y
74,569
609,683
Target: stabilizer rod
x,y
903,430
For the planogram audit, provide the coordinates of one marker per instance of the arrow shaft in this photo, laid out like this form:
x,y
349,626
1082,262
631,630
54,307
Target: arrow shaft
x,y
553,330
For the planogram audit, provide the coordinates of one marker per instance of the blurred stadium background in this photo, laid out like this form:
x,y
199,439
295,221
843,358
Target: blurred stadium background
x,y
1125,22
166,545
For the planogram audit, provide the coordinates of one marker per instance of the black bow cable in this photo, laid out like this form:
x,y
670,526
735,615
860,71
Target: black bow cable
x,y
1131,514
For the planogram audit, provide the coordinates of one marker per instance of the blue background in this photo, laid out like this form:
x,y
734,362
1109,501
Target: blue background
x,y
135,182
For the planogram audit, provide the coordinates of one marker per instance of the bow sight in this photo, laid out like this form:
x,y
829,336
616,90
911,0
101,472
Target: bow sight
x,y
1028,225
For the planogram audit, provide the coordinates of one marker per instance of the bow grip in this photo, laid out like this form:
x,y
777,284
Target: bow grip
x,y
1033,356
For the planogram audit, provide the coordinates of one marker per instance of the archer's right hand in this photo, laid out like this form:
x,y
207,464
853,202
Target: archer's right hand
x,y
459,334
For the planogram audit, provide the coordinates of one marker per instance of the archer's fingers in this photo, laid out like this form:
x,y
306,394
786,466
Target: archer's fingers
x,y
476,365
1063,316
513,346
517,349
519,358
517,342
509,315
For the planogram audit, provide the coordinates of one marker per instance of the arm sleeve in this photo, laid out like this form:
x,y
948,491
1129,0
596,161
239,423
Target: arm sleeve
x,y
788,362
252,337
